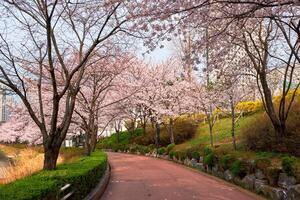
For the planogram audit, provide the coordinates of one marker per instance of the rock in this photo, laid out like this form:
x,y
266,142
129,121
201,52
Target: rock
x,y
220,174
187,161
249,166
272,175
286,181
238,181
248,181
228,175
201,159
215,168
193,162
260,184
274,193
259,174
294,192
200,166
208,170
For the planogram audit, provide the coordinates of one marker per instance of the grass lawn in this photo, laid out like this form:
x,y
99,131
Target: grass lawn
x,y
221,132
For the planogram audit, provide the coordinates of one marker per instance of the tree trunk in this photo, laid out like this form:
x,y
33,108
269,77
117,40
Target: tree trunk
x,y
171,132
279,125
87,143
211,134
232,123
157,135
118,136
144,126
94,138
50,157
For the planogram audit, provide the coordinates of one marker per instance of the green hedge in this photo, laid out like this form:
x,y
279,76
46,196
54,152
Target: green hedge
x,y
83,174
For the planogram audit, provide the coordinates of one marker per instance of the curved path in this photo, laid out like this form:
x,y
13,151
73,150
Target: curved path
x,y
139,177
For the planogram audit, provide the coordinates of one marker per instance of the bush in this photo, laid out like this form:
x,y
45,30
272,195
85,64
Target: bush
x,y
170,147
239,168
196,155
83,175
287,164
226,161
181,155
262,163
151,146
259,134
236,167
184,128
161,151
209,160
172,154
248,107
207,151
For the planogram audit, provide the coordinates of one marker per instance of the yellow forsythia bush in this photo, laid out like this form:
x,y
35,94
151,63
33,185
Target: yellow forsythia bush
x,y
249,106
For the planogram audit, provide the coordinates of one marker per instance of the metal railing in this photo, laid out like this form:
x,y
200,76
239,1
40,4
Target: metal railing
x,y
66,192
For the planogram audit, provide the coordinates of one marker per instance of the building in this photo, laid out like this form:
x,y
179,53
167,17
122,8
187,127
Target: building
x,y
4,111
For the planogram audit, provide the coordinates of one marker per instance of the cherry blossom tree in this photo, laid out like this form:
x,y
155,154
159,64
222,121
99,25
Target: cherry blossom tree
x,y
51,43
261,28
101,80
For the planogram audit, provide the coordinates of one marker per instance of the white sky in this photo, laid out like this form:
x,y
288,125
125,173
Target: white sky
x,y
159,55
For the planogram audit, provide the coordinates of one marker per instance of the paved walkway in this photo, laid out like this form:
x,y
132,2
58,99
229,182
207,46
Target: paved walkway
x,y
138,178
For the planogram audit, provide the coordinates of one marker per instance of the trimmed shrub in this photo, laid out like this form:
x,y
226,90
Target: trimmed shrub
x,y
209,160
287,164
83,175
170,147
239,168
181,155
196,155
172,154
207,151
236,167
226,161
161,151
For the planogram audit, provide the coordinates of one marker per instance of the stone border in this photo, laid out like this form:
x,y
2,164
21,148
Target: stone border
x,y
98,191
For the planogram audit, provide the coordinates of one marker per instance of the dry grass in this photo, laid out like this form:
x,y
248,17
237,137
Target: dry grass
x,y
29,160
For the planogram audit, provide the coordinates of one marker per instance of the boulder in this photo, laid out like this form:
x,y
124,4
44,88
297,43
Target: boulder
x,y
200,166
201,159
215,169
187,161
248,181
272,175
220,174
238,181
259,174
274,193
193,162
286,181
228,175
260,184
294,192
208,170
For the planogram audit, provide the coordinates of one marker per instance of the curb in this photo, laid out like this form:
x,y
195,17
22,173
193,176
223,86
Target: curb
x,y
98,191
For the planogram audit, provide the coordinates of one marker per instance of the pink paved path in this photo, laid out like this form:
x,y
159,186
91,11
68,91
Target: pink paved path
x,y
138,178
